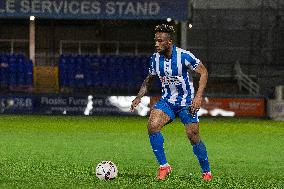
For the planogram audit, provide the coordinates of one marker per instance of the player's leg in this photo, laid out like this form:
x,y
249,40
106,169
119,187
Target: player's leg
x,y
199,149
159,116
156,121
191,123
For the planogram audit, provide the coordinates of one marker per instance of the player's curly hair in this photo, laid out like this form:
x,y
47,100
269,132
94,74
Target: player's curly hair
x,y
166,29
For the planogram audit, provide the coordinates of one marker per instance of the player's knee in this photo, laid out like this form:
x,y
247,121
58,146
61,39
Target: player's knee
x,y
192,132
153,129
194,140
193,135
153,126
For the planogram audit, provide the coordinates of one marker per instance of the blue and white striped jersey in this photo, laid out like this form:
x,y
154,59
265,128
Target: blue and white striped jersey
x,y
177,85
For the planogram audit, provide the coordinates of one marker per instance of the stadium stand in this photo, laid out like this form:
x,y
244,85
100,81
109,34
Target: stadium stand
x,y
16,72
251,33
104,73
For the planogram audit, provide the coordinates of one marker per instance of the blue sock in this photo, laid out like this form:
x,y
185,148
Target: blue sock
x,y
199,150
157,143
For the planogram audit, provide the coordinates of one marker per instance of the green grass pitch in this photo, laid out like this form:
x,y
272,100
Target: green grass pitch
x,y
62,152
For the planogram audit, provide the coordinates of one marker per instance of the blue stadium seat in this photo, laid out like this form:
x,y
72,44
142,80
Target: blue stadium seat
x,y
106,71
79,75
63,75
29,73
87,70
21,71
95,59
13,69
70,69
4,71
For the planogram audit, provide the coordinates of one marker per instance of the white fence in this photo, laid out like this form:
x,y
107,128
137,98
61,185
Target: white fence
x,y
244,81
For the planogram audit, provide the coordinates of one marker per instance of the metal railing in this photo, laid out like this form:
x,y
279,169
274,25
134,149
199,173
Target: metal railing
x,y
105,47
46,59
10,44
244,81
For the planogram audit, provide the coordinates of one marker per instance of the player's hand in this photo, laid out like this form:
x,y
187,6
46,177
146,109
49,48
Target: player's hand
x,y
196,104
135,103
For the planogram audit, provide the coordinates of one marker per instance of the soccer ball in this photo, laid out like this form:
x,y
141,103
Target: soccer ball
x,y
106,170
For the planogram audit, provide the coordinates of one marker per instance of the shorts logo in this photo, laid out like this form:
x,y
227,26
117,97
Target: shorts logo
x,y
167,80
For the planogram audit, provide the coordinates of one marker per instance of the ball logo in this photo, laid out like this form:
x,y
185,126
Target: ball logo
x,y
106,170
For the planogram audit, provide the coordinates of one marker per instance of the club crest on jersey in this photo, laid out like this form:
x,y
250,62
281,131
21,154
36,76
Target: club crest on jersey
x,y
168,80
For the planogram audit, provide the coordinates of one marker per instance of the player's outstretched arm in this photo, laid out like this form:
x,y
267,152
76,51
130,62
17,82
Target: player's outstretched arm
x,y
196,103
143,90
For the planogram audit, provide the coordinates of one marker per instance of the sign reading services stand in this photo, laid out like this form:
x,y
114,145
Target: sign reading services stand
x,y
95,9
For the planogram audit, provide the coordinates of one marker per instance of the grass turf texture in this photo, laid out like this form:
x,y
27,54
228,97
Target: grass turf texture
x,y
62,152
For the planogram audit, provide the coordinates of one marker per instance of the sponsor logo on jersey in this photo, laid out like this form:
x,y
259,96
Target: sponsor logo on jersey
x,y
170,80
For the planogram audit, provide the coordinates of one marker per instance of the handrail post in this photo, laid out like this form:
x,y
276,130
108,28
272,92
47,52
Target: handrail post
x,y
79,48
12,46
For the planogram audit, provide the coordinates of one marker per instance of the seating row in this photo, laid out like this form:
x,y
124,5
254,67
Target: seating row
x,y
102,71
15,70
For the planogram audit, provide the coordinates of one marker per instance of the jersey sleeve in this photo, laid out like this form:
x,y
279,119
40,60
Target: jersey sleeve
x,y
190,60
152,65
